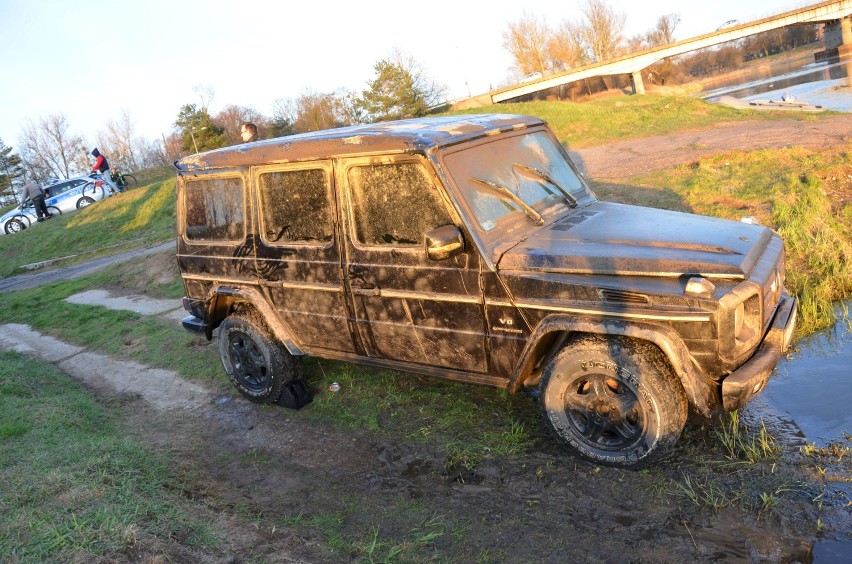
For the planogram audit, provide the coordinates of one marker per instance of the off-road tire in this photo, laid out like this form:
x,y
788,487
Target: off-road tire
x,y
84,201
255,362
614,401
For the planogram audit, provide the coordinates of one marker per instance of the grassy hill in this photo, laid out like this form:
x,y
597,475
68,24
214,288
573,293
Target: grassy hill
x,y
130,219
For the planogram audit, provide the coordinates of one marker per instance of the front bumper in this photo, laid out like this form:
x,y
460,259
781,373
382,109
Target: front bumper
x,y
750,378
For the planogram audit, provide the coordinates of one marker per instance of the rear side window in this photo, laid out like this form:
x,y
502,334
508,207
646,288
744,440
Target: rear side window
x,y
63,187
395,204
214,209
296,206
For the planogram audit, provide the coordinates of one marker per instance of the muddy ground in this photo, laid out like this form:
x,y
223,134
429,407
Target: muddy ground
x,y
257,466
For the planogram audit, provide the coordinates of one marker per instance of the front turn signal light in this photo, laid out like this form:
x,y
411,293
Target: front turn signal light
x,y
700,287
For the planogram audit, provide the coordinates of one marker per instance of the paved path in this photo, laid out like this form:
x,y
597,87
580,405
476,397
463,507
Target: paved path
x,y
24,281
164,389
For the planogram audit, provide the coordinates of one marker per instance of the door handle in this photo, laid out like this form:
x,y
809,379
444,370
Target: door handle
x,y
372,292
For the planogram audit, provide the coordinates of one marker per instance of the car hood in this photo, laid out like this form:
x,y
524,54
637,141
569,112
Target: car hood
x,y
607,238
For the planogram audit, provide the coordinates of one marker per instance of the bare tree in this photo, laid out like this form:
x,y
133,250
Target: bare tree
x,y
663,33
48,149
602,30
314,111
527,41
205,93
565,48
119,144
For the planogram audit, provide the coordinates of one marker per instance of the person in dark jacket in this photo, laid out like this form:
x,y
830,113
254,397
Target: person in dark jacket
x,y
34,193
102,167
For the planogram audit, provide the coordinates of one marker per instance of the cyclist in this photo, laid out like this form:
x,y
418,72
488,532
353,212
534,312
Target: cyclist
x,y
102,167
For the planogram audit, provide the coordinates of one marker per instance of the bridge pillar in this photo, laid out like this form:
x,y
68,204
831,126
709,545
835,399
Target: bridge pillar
x,y
638,85
845,35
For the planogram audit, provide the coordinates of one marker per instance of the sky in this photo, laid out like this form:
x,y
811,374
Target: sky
x,y
91,60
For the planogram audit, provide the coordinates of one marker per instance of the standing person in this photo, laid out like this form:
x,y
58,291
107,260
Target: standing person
x,y
248,131
35,193
102,166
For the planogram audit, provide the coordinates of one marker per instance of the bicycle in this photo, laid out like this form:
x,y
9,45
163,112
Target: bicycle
x,y
123,181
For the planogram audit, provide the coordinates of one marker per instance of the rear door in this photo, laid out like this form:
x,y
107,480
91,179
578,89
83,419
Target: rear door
x,y
213,245
298,256
408,307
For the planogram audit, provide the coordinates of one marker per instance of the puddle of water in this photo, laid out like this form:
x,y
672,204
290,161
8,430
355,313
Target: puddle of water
x,y
814,385
826,84
808,399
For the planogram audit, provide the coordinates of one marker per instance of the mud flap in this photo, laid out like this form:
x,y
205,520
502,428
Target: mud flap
x,y
295,396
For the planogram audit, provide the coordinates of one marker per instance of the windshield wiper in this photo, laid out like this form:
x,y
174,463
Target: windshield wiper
x,y
539,175
501,190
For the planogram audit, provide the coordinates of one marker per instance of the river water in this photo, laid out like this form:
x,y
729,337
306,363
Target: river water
x,y
827,84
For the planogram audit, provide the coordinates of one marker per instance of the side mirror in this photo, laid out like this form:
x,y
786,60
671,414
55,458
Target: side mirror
x,y
444,242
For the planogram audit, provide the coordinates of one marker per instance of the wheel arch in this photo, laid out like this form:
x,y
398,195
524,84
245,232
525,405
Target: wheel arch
x,y
551,334
223,300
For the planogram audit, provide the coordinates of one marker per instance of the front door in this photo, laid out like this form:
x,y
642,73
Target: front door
x,y
407,307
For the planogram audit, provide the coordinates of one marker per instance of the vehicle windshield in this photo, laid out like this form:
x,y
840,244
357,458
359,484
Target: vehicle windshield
x,y
520,174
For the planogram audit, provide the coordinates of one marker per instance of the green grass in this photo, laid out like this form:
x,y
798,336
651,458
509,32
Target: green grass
x,y
587,124
803,194
130,219
75,487
445,414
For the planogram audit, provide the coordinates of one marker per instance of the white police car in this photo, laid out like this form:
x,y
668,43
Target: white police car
x,y
64,196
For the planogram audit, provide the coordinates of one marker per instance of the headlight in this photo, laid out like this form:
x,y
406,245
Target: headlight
x,y
739,318
741,324
747,320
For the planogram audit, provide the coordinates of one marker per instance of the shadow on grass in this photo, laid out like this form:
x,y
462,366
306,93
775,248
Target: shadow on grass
x,y
661,198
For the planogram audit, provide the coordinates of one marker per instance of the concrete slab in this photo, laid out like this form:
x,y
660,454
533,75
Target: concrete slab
x,y
163,389
20,338
140,304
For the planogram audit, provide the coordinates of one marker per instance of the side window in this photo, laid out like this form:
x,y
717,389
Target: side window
x,y
394,204
214,209
295,206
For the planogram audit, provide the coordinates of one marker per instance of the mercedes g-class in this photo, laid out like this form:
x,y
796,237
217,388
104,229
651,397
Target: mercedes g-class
x,y
472,248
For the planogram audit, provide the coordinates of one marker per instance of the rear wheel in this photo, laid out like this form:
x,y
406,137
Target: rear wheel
x,y
127,182
84,201
53,210
257,364
613,401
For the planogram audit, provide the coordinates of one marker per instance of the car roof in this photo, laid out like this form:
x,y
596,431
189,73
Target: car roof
x,y
411,135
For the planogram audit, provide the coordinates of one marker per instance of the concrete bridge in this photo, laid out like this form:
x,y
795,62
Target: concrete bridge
x,y
823,12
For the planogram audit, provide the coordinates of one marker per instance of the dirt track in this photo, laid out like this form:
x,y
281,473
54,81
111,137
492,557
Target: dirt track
x,y
540,506
641,156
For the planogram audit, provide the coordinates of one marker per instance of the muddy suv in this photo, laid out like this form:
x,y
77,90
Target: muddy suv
x,y
471,248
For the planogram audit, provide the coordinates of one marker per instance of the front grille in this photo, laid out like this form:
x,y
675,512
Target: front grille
x,y
620,296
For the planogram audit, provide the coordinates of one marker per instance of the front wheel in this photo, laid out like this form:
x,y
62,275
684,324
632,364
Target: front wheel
x,y
257,364
14,225
613,401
